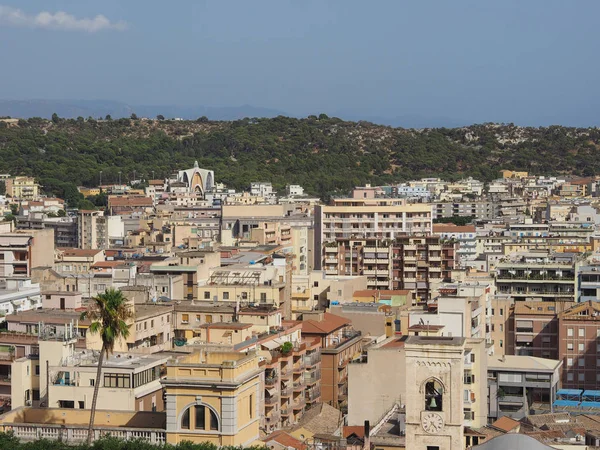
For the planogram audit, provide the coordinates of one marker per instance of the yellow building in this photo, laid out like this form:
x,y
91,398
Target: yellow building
x,y
513,174
87,192
23,188
214,397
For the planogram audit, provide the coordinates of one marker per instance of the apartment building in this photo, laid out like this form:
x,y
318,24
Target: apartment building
x,y
465,236
533,328
92,232
214,397
520,384
538,276
189,319
130,204
272,233
368,218
252,284
65,228
481,210
579,347
422,263
129,382
588,283
292,376
150,330
77,260
22,188
21,251
500,316
339,345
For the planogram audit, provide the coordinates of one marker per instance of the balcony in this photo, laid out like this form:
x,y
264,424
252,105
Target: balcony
x,y
286,391
331,271
312,360
299,404
285,411
299,385
331,260
271,400
299,368
469,397
313,395
271,380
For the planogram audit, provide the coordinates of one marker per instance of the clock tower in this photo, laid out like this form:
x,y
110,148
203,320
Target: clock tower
x,y
434,392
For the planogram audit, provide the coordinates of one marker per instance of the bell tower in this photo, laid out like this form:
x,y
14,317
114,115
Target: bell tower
x,y
434,392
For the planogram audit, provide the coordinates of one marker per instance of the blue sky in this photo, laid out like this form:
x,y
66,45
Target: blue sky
x,y
529,62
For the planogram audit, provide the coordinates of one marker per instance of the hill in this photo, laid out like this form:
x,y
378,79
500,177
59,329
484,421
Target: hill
x,y
325,155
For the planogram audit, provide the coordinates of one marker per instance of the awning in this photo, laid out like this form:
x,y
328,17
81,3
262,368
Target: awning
x,y
524,338
272,391
272,344
524,323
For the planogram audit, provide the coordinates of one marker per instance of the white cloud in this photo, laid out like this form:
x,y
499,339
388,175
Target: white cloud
x,y
57,21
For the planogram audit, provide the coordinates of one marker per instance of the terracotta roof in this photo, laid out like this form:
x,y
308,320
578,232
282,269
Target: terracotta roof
x,y
451,228
285,439
107,264
329,324
129,201
358,431
79,252
506,424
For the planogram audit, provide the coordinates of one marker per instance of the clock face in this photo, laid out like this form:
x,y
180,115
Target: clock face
x,y
432,422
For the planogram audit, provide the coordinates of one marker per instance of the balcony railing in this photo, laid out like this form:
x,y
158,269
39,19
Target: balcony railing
x,y
312,359
271,399
78,434
299,403
300,385
286,391
313,395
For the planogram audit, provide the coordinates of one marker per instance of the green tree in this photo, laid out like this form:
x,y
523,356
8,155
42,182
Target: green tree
x,y
108,117
202,119
61,213
55,118
108,314
160,117
134,116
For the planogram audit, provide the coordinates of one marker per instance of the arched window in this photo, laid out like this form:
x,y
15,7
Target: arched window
x,y
433,395
204,418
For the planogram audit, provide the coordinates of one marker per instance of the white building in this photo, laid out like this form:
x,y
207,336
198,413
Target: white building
x,y
294,190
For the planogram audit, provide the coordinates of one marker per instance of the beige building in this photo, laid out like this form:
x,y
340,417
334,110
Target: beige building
x,y
129,382
92,231
214,397
21,251
76,260
368,218
150,331
23,188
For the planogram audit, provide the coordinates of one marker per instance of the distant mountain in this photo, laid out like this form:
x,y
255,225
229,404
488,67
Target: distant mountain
x,y
100,108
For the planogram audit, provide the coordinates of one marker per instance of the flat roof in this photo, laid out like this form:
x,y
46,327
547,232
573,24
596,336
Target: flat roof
x,y
435,340
151,310
227,325
523,363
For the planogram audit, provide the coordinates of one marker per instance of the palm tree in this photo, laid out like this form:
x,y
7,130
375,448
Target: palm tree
x,y
108,314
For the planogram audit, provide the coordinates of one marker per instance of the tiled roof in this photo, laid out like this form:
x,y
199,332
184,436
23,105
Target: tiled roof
x,y
321,419
329,324
285,439
506,424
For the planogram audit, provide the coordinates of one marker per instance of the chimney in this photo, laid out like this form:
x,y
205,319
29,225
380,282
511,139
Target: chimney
x,y
367,443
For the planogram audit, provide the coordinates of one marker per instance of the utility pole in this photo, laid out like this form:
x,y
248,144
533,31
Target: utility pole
x,y
100,178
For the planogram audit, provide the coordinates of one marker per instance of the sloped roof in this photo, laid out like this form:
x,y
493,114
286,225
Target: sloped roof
x,y
506,424
320,419
285,439
329,324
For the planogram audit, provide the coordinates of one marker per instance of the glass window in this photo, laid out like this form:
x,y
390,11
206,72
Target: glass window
x,y
206,295
200,417
569,332
580,347
185,419
569,346
581,377
569,376
581,362
581,332
225,295
214,422
569,362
